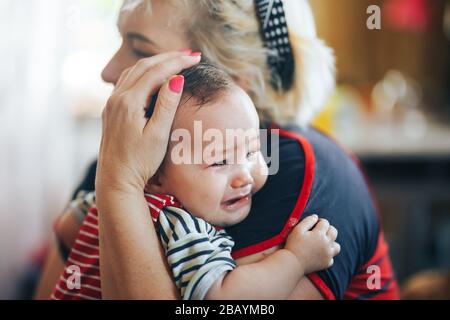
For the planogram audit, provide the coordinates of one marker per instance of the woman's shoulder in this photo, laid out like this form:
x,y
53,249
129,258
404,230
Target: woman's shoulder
x,y
280,203
315,175
340,190
335,169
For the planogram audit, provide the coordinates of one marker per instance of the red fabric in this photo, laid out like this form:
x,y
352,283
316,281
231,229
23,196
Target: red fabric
x,y
324,290
359,286
85,254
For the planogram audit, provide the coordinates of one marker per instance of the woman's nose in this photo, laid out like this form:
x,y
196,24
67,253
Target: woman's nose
x,y
109,75
112,71
242,178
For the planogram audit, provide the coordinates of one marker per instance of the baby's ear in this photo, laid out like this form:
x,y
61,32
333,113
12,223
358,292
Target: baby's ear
x,y
154,185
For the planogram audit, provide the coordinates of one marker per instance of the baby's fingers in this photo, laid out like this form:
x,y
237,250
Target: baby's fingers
x,y
322,226
332,233
308,223
330,264
336,248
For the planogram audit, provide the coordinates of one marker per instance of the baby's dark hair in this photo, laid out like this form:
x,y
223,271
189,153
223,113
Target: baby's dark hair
x,y
204,82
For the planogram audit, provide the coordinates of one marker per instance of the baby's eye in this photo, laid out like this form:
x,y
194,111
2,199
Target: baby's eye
x,y
250,154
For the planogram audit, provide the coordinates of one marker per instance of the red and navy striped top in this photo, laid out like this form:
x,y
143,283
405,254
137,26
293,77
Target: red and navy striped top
x,y
81,276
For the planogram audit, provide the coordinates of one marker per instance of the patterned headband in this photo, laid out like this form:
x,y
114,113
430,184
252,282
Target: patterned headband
x,y
274,32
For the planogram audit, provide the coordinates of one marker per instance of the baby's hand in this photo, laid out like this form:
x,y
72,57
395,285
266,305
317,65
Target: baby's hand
x,y
312,241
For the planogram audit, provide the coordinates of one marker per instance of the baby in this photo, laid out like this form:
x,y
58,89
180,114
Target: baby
x,y
195,194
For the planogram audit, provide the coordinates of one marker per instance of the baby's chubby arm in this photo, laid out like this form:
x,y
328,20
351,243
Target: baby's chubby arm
x,y
310,247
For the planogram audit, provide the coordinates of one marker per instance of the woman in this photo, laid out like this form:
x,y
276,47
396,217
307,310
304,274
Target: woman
x,y
288,78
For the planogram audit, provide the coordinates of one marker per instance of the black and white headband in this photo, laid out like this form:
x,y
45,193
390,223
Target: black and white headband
x,y
275,34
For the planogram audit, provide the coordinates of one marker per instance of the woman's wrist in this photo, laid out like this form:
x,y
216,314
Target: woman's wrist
x,y
108,198
105,188
111,177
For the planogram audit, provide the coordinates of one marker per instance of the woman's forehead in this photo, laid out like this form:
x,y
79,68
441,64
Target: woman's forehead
x,y
160,15
129,5
161,26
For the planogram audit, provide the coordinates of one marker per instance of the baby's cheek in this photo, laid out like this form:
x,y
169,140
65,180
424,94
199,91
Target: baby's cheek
x,y
206,193
213,195
209,197
260,175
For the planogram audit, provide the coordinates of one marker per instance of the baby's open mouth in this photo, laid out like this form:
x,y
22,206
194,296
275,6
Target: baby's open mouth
x,y
232,201
237,202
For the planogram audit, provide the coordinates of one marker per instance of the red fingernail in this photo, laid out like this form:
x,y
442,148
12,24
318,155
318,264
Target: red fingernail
x,y
196,54
176,84
187,51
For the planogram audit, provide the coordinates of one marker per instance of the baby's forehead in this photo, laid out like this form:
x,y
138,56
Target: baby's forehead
x,y
230,109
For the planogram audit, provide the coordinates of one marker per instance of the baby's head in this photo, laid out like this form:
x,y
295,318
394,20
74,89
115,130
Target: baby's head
x,y
219,176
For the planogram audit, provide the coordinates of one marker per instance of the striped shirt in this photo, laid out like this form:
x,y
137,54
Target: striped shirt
x,y
198,253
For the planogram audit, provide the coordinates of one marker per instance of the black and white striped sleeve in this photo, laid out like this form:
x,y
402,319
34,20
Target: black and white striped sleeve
x,y
197,253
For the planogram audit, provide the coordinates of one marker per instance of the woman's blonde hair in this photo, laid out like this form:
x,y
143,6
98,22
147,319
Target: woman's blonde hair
x,y
227,33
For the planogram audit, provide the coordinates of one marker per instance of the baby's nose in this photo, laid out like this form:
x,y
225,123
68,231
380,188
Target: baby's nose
x,y
242,179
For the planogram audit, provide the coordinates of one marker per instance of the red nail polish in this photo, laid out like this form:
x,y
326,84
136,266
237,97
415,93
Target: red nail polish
x,y
176,84
196,54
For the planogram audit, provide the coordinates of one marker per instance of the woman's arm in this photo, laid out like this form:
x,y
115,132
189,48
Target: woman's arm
x,y
305,290
132,262
53,268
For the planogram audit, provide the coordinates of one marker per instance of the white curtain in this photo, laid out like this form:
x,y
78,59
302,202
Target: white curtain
x,y
37,141
42,151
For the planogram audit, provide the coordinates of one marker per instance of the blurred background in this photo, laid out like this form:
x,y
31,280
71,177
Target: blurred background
x,y
51,96
391,108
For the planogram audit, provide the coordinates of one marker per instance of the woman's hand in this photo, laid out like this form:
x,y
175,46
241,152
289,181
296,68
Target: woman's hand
x,y
132,261
133,146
